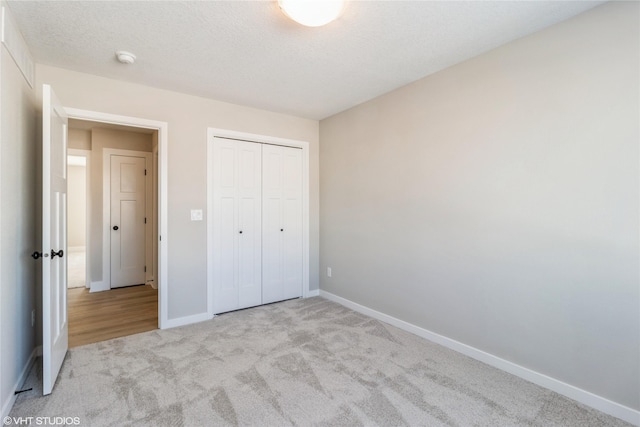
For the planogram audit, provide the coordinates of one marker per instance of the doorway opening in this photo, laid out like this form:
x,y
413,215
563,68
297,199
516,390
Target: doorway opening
x,y
78,173
113,230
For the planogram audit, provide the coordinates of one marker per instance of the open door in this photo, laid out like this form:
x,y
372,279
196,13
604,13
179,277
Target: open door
x,y
55,334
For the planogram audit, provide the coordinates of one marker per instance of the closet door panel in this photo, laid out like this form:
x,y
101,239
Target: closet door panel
x,y
250,218
292,202
250,242
282,232
226,165
272,251
272,223
225,209
225,256
237,211
292,250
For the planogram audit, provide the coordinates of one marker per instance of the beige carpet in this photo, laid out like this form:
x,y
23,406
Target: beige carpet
x,y
301,362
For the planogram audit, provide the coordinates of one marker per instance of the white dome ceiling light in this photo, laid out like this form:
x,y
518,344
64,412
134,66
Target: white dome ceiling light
x,y
125,57
312,13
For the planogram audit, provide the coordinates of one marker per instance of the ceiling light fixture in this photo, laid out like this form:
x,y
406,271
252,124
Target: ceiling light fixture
x,y
125,57
312,13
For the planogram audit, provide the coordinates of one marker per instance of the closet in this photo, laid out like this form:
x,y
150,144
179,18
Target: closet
x,y
257,255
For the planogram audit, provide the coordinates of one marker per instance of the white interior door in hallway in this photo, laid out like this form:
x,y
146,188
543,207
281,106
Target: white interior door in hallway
x,y
257,253
128,220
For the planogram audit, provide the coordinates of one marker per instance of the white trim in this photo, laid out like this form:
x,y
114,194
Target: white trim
x,y
585,397
2,406
87,233
106,207
16,46
163,191
187,320
250,137
11,399
313,293
99,286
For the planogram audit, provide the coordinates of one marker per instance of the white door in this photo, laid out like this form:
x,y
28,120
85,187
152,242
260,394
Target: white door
x,y
282,223
55,334
128,208
237,230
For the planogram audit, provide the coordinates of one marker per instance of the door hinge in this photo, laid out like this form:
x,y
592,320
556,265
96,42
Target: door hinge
x,y
145,268
145,220
145,172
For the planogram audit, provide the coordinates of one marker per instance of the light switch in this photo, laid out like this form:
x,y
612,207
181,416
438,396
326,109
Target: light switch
x,y
196,214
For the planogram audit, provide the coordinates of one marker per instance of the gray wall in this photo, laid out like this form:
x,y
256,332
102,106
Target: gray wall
x,y
79,139
188,118
18,174
496,202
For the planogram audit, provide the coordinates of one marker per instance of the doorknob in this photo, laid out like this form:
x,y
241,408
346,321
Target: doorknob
x,y
54,253
36,255
115,227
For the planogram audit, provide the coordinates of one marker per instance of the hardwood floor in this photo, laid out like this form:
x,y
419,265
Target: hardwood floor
x,y
100,316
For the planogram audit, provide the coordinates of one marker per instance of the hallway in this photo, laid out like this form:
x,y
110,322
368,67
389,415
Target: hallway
x,y
100,316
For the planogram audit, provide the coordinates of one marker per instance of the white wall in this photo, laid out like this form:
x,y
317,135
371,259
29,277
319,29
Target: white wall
x,y
496,202
18,174
188,118
76,206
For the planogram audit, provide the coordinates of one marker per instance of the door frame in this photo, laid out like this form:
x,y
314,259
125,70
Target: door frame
x,y
87,236
163,205
106,210
261,139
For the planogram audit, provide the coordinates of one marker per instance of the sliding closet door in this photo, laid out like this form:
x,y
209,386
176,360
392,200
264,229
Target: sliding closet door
x,y
237,231
282,223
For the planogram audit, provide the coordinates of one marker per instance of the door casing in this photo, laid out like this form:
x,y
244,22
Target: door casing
x,y
163,205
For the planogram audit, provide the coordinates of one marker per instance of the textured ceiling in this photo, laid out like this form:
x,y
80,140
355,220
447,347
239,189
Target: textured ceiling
x,y
248,53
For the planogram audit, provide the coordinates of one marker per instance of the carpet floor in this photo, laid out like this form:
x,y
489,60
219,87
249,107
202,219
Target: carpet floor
x,y
306,362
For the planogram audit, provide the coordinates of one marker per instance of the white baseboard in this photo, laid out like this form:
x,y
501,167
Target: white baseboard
x,y
585,397
313,293
11,399
186,320
99,287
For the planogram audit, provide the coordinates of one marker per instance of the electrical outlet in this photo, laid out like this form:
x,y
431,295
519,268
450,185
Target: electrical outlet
x,y
33,318
328,271
196,214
